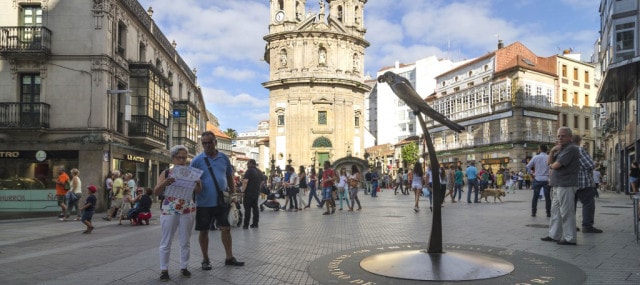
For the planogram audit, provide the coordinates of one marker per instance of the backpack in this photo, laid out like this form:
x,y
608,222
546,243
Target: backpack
x,y
485,176
303,182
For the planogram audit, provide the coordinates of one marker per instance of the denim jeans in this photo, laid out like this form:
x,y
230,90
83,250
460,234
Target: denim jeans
x,y
457,190
537,185
374,188
472,183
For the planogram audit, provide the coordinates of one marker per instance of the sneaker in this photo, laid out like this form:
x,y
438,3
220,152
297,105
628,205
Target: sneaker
x,y
232,261
547,238
206,265
253,226
326,213
416,209
164,276
185,273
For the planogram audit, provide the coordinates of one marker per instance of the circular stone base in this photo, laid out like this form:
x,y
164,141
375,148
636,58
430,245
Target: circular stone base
x,y
448,266
346,267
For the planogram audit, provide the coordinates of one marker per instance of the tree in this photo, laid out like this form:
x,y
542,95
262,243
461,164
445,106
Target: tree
x,y
231,133
410,153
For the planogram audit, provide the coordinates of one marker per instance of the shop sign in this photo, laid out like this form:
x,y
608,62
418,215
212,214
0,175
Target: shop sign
x,y
135,158
9,154
500,160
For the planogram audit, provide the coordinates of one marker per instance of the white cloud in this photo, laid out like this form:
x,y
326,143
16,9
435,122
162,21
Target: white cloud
x,y
222,97
233,73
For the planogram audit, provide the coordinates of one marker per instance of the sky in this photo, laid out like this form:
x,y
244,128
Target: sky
x,y
223,39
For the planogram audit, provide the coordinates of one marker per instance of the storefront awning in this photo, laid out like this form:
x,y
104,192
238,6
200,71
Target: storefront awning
x,y
619,81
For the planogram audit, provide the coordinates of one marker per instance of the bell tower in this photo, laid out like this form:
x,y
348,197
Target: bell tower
x,y
316,83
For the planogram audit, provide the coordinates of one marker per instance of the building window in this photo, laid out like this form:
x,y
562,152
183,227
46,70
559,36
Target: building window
x,y
470,84
586,123
586,77
575,122
356,122
586,99
624,36
575,98
280,119
322,117
122,39
142,53
575,74
564,95
564,70
564,120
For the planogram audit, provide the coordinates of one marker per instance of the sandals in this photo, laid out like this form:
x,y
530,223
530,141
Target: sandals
x,y
206,265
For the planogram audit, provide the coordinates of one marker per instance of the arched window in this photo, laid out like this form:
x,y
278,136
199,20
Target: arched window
x,y
322,142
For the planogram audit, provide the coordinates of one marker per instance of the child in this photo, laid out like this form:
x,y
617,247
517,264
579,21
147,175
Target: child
x,y
126,206
89,208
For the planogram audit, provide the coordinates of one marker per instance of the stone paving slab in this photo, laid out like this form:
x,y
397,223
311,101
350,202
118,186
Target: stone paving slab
x,y
47,251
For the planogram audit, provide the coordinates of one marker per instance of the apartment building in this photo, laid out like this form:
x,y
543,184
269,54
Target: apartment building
x,y
508,102
93,85
618,53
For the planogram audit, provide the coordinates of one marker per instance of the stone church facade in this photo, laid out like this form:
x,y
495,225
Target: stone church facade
x,y
316,81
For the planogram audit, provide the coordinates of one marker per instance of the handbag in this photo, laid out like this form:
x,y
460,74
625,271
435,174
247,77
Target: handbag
x,y
223,197
353,183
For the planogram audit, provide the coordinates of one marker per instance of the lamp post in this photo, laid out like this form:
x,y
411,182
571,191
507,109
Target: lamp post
x,y
273,169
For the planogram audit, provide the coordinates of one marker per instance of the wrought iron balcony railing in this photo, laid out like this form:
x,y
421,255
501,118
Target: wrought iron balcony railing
x,y
34,39
24,115
143,126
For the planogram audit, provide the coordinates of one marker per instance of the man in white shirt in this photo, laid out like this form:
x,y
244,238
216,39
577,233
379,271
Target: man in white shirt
x,y
539,169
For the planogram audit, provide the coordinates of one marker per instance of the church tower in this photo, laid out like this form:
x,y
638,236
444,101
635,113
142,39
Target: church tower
x,y
316,82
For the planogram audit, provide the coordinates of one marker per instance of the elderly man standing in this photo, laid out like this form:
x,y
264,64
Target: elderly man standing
x,y
565,166
217,173
539,167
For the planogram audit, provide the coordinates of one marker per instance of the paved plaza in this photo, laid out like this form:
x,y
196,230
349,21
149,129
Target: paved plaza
x,y
305,247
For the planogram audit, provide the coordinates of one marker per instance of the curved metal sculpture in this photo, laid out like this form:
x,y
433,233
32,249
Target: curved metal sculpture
x,y
403,89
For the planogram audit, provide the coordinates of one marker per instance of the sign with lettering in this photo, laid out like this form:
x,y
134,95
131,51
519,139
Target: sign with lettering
x,y
500,160
135,158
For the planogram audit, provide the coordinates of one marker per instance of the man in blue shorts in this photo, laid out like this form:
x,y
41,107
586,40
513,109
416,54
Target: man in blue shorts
x,y
208,208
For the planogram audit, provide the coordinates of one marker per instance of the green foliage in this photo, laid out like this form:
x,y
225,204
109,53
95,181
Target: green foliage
x,y
410,153
231,133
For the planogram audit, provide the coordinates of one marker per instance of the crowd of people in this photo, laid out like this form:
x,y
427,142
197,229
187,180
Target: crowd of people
x,y
563,176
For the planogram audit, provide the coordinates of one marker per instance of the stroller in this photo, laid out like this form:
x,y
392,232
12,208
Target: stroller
x,y
272,199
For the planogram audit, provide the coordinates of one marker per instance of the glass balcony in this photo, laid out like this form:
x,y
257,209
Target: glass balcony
x,y
24,115
147,128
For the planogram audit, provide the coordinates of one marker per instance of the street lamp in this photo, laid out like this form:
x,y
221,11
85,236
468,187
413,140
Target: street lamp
x,y
273,169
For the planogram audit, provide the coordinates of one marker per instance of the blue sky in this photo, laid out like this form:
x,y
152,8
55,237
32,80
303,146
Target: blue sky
x,y
223,39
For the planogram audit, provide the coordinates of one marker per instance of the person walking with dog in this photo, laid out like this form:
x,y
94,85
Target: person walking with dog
x,y
540,168
586,191
564,163
472,179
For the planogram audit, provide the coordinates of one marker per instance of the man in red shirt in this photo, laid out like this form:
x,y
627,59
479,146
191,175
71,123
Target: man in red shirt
x,y
328,179
61,192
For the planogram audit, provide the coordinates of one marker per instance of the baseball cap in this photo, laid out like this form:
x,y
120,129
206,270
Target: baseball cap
x,y
92,188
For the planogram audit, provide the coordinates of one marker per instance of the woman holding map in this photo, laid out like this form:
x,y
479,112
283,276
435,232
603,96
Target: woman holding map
x,y
178,208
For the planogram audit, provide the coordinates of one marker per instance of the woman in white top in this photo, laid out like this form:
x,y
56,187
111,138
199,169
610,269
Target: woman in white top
x,y
342,187
417,181
76,188
354,184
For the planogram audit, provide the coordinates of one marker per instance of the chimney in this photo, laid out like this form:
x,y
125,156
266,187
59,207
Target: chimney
x,y
500,44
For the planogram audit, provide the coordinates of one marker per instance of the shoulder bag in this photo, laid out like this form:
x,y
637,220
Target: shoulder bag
x,y
223,197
